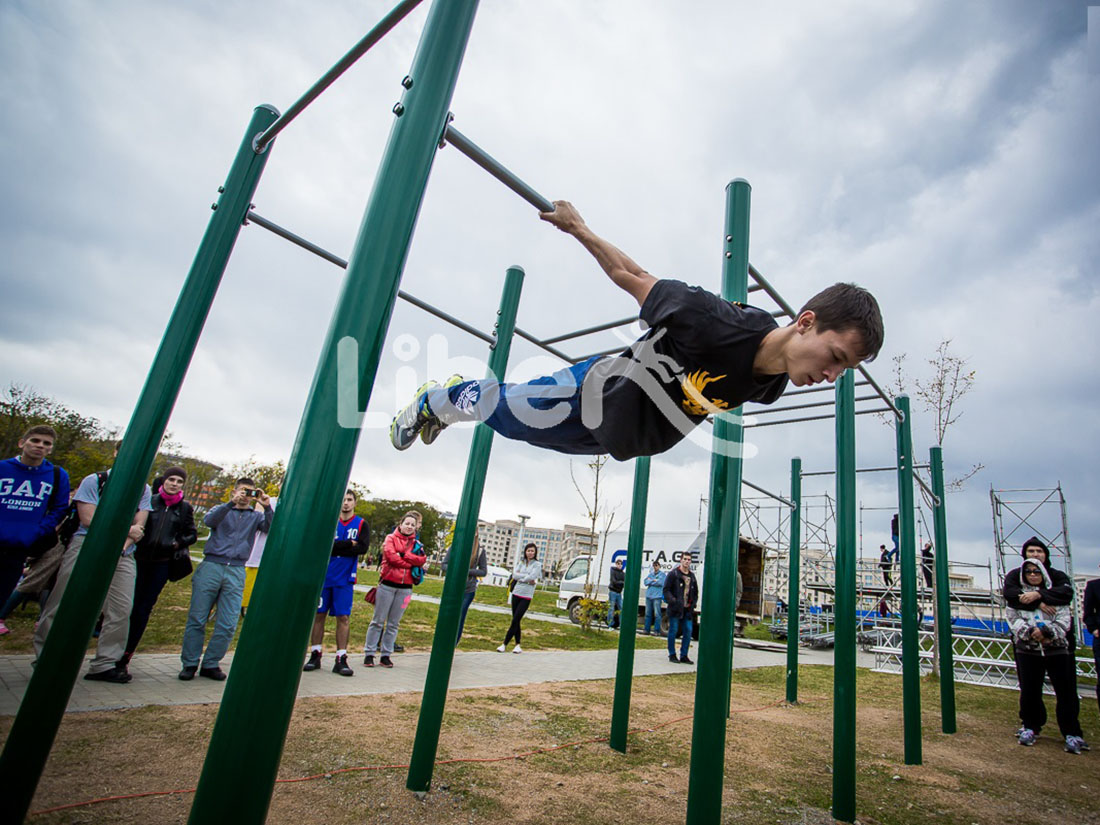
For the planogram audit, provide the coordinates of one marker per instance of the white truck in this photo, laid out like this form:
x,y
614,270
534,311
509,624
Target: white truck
x,y
666,548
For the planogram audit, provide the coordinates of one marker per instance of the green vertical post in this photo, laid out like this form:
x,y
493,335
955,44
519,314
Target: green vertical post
x,y
712,681
943,594
241,764
794,572
907,551
628,623
438,677
35,726
844,649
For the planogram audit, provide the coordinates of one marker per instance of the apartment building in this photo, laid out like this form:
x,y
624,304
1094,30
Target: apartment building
x,y
501,538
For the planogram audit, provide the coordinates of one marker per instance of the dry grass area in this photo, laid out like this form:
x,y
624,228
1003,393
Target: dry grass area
x,y
777,762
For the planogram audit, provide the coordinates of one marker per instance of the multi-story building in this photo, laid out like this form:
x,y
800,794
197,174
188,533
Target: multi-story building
x,y
501,538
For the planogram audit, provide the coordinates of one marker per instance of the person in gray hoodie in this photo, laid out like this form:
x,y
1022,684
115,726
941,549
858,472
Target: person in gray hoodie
x,y
526,575
219,578
1039,639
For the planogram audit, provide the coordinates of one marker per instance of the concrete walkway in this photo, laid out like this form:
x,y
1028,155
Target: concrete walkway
x,y
155,675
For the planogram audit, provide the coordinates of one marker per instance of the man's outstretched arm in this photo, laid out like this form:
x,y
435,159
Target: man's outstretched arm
x,y
619,266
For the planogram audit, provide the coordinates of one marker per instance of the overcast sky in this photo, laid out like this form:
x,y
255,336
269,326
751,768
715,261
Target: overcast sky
x,y
941,154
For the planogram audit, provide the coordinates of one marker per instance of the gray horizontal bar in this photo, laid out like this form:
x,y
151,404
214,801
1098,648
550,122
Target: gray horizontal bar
x,y
777,497
259,220
590,330
773,293
807,406
328,78
486,162
811,418
825,388
866,470
555,352
611,351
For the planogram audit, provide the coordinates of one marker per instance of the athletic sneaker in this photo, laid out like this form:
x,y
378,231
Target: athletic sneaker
x,y
1075,744
501,649
433,426
385,661
368,660
4,629
517,649
341,666
407,424
673,659
1027,737
314,662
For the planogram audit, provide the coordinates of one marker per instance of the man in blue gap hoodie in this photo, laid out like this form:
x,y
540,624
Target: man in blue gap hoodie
x,y
34,496
219,578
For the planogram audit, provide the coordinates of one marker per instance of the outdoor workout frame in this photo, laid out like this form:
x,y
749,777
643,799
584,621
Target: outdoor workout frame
x,y
252,720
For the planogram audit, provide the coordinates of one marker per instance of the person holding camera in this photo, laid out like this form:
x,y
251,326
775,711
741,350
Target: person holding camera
x,y
219,578
1039,639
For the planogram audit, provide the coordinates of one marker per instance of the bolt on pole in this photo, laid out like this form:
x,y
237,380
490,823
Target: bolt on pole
x,y
943,594
251,725
712,681
910,610
844,648
35,726
426,743
794,571
628,622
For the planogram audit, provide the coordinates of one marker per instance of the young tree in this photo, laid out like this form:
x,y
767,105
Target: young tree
x,y
596,508
940,393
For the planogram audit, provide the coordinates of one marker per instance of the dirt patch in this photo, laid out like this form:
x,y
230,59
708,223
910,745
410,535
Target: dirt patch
x,y
778,759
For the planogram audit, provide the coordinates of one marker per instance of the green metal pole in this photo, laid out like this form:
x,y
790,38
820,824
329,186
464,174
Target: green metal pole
x,y
438,677
712,681
793,595
239,773
943,594
35,726
844,649
907,550
628,624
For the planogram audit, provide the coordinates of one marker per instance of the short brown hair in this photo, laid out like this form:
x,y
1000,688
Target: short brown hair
x,y
415,516
842,307
39,429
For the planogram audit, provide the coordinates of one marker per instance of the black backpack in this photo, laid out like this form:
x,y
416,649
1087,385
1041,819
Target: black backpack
x,y
71,523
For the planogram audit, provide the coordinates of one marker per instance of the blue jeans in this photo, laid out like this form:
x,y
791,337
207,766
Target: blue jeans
x,y
545,411
679,625
614,606
652,614
212,583
467,600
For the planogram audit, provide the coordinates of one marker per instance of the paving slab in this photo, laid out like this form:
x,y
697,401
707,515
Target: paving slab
x,y
155,675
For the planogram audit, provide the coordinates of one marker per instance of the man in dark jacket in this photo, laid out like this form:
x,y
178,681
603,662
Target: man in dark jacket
x,y
615,593
169,532
1047,599
1090,615
681,594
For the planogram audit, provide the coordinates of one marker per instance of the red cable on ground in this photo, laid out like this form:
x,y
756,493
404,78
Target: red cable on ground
x,y
358,768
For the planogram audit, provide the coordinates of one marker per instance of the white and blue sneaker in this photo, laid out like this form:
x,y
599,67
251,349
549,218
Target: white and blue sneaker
x,y
1027,737
408,423
1075,744
433,426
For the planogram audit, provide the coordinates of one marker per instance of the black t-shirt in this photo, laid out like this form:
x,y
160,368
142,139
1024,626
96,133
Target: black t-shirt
x,y
695,360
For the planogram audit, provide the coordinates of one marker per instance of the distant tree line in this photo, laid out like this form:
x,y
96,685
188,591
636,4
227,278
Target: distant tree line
x,y
85,445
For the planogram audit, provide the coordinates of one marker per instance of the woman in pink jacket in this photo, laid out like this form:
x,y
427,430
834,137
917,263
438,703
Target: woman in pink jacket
x,y
399,556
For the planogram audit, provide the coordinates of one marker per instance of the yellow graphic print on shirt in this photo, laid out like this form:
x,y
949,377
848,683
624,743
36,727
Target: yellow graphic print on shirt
x,y
695,403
